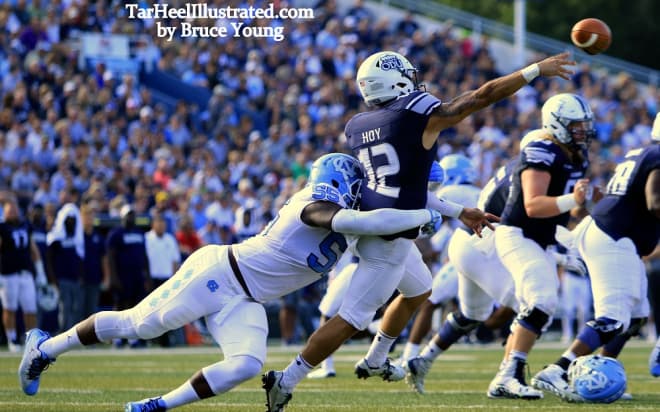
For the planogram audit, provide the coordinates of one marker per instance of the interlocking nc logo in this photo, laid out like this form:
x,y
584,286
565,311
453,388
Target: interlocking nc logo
x,y
212,285
391,62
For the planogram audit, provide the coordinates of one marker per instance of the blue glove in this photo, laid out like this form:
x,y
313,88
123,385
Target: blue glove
x,y
436,174
430,228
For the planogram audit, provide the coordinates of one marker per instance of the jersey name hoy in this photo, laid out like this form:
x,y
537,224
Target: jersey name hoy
x,y
370,135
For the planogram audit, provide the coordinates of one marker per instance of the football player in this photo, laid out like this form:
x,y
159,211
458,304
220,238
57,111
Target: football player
x,y
547,182
396,142
483,283
623,227
228,284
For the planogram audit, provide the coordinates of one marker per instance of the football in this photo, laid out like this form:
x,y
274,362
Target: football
x,y
591,35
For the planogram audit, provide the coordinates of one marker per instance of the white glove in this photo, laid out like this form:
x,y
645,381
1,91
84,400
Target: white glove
x,y
575,264
41,279
430,228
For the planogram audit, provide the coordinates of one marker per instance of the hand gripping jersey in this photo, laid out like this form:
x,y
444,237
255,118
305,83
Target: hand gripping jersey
x,y
388,143
547,156
288,254
623,212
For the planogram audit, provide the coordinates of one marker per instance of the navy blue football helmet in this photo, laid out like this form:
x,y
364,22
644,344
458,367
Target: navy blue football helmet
x,y
337,177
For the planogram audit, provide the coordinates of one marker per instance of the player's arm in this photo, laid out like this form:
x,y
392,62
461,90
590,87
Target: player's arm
x,y
652,192
452,112
471,217
331,216
538,204
41,278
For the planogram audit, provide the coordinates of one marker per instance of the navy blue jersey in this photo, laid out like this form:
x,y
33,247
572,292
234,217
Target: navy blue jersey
x,y
66,261
94,252
547,156
388,143
15,249
130,252
492,198
623,212
39,237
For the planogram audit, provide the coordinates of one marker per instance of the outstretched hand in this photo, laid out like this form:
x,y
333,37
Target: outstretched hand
x,y
476,219
556,66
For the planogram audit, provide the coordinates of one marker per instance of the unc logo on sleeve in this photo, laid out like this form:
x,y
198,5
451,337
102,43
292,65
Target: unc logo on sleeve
x,y
391,62
212,285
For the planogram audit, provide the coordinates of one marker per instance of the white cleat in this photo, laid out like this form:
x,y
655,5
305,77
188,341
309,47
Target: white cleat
x,y
321,373
553,378
388,371
418,368
508,387
276,396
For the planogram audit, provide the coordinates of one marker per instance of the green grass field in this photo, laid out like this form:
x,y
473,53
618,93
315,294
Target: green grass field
x,y
104,379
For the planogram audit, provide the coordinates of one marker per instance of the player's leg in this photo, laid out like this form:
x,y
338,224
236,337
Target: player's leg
x,y
615,298
329,307
535,278
375,279
415,288
444,288
241,330
28,299
569,303
9,294
180,300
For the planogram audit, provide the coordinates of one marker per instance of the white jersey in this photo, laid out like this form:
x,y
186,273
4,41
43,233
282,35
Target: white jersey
x,y
288,254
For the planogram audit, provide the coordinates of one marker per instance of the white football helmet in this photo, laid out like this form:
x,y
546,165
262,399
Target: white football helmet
x,y
385,76
560,111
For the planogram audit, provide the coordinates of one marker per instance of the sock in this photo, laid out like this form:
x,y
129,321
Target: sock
x,y
410,351
431,351
328,363
295,372
61,343
566,359
11,335
518,355
379,349
182,395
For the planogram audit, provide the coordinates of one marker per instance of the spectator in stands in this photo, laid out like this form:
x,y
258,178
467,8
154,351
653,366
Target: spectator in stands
x,y
64,256
187,238
96,272
164,259
129,266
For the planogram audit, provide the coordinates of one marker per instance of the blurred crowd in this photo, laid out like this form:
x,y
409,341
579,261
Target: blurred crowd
x,y
218,174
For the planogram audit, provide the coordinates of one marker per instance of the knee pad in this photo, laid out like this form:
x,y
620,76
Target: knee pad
x,y
459,322
227,374
534,320
606,328
110,325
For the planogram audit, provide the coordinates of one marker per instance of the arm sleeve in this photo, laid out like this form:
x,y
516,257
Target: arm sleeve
x,y
444,206
378,222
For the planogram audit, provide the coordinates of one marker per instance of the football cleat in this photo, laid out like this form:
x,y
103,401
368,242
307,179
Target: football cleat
x,y
388,371
511,388
146,405
34,362
321,373
510,382
554,379
417,368
276,396
654,360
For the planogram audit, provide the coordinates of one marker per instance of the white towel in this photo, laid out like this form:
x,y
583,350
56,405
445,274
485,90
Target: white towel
x,y
58,232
